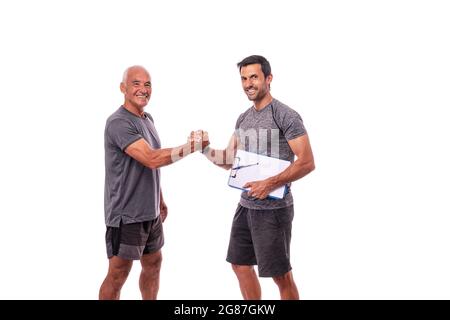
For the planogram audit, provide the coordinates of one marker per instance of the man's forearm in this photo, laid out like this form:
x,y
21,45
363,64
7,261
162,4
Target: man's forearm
x,y
221,158
295,171
164,157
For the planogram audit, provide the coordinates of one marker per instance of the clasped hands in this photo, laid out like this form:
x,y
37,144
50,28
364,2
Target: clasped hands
x,y
198,140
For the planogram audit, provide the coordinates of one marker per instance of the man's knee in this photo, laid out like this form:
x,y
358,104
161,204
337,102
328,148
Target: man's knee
x,y
284,280
118,275
151,262
242,269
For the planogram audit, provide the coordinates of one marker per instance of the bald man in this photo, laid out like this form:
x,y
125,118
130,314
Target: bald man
x,y
134,205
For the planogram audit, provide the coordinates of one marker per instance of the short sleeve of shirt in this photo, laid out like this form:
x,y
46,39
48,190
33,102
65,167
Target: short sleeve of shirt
x,y
239,120
292,125
122,133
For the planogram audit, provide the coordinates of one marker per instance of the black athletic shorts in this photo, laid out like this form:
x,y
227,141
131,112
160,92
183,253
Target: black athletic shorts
x,y
263,238
131,241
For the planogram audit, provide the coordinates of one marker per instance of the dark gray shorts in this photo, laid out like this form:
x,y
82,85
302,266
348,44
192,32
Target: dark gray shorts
x,y
131,241
263,238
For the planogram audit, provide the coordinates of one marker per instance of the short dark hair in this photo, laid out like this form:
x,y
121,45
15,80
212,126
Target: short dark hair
x,y
255,59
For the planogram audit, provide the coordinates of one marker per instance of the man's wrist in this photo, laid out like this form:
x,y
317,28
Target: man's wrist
x,y
190,147
206,150
272,182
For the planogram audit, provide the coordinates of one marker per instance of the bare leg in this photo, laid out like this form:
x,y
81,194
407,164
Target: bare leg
x,y
149,279
286,284
118,271
248,282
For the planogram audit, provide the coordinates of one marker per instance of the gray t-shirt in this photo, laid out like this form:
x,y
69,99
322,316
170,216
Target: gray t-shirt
x,y
132,191
267,132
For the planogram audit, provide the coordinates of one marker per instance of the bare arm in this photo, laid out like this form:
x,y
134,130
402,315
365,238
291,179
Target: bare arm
x,y
303,165
223,158
142,152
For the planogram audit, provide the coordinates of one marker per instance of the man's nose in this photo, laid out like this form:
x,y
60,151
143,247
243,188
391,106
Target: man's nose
x,y
247,84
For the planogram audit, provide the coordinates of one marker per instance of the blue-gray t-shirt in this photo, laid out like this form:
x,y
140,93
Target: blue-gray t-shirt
x,y
132,191
267,132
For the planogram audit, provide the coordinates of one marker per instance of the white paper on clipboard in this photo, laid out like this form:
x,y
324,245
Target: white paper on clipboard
x,y
249,166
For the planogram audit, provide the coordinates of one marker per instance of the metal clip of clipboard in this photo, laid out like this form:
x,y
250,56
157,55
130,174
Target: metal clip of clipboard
x,y
239,167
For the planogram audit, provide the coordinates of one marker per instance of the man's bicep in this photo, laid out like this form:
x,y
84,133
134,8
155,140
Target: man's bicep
x,y
302,148
140,151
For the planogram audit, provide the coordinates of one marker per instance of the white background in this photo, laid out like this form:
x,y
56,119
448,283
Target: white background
x,y
370,79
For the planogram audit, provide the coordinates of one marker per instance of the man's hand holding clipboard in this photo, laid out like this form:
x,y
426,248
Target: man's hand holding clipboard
x,y
259,189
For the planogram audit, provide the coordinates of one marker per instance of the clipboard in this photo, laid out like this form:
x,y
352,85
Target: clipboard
x,y
249,166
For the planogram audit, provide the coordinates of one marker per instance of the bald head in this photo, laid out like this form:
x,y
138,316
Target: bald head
x,y
136,86
131,70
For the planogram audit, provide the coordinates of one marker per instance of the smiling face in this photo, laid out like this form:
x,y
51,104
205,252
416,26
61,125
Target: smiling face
x,y
137,88
255,85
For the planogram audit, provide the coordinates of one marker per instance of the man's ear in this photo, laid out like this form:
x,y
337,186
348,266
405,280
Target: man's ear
x,y
122,87
269,79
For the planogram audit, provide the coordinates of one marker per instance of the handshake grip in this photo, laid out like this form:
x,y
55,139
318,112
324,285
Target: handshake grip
x,y
198,140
